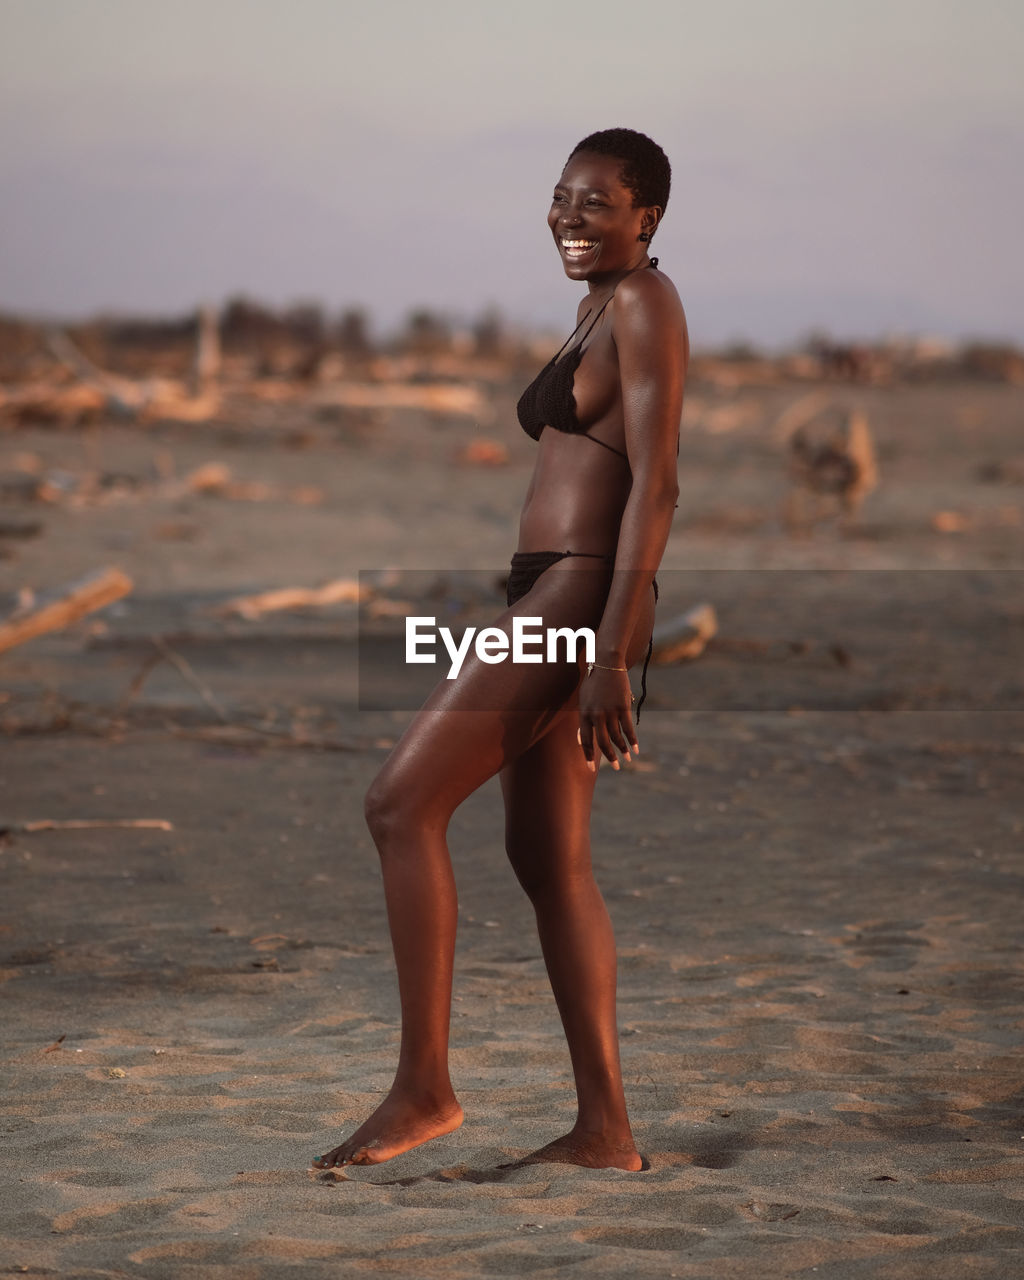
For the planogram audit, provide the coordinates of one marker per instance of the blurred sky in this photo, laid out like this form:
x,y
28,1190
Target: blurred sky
x,y
855,166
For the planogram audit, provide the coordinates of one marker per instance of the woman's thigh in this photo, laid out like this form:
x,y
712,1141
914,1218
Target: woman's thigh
x,y
548,792
472,727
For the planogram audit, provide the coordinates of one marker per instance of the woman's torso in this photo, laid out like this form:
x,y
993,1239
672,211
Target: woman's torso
x,y
580,487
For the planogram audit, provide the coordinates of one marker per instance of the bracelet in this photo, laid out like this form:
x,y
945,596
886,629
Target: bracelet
x,y
601,667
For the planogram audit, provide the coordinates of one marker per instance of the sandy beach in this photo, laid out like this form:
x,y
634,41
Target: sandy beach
x,y
814,869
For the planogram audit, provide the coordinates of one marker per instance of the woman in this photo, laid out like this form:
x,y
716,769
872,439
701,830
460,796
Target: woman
x,y
593,530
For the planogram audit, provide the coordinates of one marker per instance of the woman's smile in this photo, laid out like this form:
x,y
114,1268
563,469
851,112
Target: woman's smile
x,y
574,250
594,220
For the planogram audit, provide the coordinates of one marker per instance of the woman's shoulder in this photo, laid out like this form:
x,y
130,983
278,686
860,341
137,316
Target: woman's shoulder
x,y
648,298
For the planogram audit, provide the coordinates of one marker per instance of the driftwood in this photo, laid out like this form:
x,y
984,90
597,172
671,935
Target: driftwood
x,y
685,636
228,732
43,402
152,398
75,601
950,522
339,591
243,735
122,396
83,824
441,397
206,366
185,669
213,480
832,467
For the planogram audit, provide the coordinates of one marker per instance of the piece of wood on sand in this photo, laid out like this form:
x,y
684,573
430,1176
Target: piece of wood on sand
x,y
338,591
685,636
206,364
832,467
122,396
59,609
83,824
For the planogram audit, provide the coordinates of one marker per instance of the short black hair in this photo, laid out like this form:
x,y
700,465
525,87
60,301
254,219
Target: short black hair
x,y
646,171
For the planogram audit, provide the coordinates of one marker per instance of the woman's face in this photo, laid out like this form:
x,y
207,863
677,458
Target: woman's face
x,y
593,220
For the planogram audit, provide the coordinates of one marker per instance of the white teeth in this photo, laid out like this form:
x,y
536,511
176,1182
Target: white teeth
x,y
578,244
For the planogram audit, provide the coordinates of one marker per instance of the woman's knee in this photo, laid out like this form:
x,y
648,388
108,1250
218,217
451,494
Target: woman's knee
x,y
383,809
377,806
395,813
544,869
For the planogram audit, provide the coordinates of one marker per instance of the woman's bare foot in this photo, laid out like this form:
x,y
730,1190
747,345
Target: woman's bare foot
x,y
398,1125
591,1150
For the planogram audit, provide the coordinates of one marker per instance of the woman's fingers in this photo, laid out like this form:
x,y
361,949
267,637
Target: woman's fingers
x,y
585,737
615,732
604,742
629,729
593,739
607,735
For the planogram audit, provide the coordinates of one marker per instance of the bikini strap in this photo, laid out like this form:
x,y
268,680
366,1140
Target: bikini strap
x,y
572,335
653,263
605,445
647,662
590,328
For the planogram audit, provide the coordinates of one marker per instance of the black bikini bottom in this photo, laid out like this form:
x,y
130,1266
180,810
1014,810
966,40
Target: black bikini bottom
x,y
527,567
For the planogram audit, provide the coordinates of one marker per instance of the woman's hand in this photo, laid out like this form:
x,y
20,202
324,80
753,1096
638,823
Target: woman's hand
x,y
606,716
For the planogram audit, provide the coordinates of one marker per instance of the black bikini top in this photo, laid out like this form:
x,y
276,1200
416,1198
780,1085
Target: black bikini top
x,y
549,401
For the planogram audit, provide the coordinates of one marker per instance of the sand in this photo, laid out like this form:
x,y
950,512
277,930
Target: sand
x,y
816,889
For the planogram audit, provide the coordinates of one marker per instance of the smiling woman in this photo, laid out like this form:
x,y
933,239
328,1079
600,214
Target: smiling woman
x,y
592,533
639,178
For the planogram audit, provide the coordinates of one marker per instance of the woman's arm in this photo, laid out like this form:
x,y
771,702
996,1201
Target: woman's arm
x,y
649,330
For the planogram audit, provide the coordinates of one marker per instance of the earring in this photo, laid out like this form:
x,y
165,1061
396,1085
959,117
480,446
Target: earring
x,y
643,236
